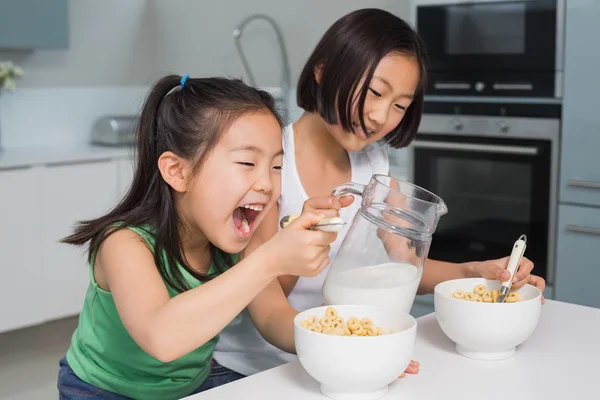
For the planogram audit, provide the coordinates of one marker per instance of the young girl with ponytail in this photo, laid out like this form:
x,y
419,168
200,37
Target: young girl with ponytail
x,y
169,265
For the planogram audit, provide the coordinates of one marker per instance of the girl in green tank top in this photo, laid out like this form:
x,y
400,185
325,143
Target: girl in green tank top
x,y
170,265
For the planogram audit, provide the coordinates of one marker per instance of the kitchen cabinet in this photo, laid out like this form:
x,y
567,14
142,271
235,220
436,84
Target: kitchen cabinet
x,y
580,164
578,264
22,284
72,192
34,24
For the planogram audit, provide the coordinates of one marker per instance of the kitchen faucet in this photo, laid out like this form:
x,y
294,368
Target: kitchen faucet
x,y
285,65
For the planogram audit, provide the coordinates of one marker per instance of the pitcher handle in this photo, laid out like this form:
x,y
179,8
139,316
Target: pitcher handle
x,y
346,189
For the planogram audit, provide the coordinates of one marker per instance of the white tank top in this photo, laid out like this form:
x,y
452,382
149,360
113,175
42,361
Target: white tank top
x,y
240,347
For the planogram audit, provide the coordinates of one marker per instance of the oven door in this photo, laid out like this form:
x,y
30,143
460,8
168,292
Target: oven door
x,y
495,189
490,36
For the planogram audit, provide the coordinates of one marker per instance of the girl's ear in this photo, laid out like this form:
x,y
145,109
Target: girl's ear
x,y
174,170
318,73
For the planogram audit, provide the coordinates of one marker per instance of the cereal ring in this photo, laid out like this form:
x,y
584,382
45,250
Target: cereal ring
x,y
328,329
312,319
366,322
379,331
338,323
347,332
469,296
458,294
325,322
306,324
331,313
495,295
317,327
353,324
479,289
372,331
478,299
487,297
359,331
513,297
354,334
339,332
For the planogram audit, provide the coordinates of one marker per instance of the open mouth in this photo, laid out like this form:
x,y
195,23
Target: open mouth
x,y
244,217
359,131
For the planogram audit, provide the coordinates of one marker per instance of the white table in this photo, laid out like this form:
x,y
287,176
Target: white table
x,y
561,360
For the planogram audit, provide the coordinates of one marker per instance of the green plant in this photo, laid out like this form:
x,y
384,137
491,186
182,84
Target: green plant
x,y
9,73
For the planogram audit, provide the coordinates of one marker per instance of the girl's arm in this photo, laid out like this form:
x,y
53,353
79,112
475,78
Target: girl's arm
x,y
274,317
170,328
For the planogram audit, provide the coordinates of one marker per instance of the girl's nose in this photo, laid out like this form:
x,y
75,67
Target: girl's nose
x,y
264,184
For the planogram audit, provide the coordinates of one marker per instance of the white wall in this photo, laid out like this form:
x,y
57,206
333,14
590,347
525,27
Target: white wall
x,y
117,48
195,37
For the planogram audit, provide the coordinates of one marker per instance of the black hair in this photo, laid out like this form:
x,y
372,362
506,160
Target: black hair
x,y
188,120
350,50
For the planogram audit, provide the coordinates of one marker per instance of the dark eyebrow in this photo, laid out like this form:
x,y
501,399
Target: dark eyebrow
x,y
255,149
408,96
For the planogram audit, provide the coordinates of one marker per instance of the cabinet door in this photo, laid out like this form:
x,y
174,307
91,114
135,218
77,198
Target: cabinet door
x,y
71,192
578,265
22,284
580,164
34,24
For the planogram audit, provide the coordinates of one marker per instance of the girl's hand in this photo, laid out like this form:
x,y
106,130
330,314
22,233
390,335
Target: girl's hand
x,y
296,250
496,269
413,368
327,206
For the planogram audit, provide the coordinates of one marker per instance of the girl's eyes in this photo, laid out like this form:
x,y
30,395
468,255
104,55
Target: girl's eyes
x,y
376,93
249,164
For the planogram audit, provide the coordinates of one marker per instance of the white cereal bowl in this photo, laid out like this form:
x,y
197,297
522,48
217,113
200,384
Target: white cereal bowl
x,y
355,367
486,331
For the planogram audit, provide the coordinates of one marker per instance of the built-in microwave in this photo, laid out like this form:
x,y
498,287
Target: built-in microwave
x,y
493,48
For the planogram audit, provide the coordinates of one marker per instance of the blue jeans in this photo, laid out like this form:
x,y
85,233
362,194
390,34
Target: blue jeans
x,y
70,387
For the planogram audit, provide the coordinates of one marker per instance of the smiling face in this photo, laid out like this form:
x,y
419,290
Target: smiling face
x,y
389,95
237,184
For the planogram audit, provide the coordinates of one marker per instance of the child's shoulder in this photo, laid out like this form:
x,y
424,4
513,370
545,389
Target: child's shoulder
x,y
120,240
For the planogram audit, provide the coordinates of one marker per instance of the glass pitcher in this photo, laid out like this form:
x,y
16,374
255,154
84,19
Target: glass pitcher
x,y
380,262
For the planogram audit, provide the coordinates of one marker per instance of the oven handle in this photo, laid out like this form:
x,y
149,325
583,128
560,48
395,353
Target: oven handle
x,y
578,183
483,148
582,229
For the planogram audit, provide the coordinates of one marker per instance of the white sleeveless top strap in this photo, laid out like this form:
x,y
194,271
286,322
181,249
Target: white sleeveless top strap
x,y
240,347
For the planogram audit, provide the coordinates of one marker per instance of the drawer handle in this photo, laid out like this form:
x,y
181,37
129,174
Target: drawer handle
x,y
79,162
583,184
583,229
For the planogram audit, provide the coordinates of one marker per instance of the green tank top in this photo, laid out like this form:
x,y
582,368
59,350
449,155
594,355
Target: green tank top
x,y
103,354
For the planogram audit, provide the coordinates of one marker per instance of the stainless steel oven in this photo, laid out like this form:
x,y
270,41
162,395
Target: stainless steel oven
x,y
496,167
493,47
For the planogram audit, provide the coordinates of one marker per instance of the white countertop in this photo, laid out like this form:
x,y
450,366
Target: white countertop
x,y
561,360
27,156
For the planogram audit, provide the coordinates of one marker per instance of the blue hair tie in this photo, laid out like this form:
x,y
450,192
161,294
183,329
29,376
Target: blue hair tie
x,y
183,80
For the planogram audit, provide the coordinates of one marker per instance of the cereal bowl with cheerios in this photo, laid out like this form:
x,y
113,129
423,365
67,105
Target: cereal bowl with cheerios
x,y
469,313
354,351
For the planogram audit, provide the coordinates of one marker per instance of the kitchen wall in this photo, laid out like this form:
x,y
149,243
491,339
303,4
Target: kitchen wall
x,y
117,48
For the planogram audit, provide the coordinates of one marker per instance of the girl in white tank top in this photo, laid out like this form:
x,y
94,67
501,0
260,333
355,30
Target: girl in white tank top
x,y
363,85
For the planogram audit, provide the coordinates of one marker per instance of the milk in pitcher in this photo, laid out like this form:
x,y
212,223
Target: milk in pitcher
x,y
392,285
